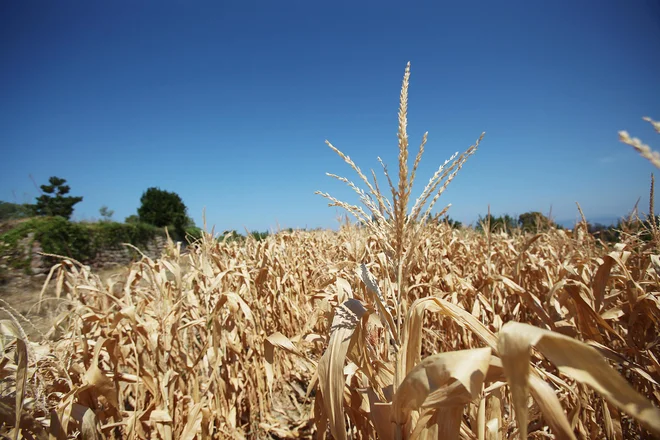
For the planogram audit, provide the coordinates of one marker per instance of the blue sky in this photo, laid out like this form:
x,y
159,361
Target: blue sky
x,y
228,104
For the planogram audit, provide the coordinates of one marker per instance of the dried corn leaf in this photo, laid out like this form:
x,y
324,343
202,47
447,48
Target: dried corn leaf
x,y
573,358
9,328
551,408
600,281
331,366
100,382
90,429
377,296
442,380
194,424
276,340
413,337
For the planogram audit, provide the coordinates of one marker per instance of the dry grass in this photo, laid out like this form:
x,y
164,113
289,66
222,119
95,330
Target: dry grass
x,y
403,328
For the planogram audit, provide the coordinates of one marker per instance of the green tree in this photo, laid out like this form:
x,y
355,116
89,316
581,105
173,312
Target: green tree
x,y
454,224
190,222
607,233
534,222
106,213
259,236
54,200
163,208
504,223
132,219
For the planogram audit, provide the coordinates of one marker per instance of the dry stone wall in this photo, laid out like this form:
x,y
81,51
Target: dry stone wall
x,y
29,249
123,255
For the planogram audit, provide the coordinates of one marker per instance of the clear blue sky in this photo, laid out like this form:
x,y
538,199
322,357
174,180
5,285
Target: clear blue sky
x,y
228,104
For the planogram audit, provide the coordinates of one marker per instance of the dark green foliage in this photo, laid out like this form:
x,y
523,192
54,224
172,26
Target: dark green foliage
x,y
606,233
646,226
534,222
54,201
80,241
643,229
190,223
259,236
106,214
504,223
132,219
56,236
454,224
14,211
230,236
163,208
61,237
111,234
193,233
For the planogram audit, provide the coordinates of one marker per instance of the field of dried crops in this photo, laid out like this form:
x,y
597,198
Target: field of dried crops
x,y
401,328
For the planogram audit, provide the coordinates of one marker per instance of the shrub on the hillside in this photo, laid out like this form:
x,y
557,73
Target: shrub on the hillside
x,y
193,233
230,236
108,234
534,222
259,236
80,241
504,223
13,211
454,224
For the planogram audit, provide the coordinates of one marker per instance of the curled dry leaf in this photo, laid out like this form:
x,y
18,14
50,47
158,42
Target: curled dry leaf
x,y
280,341
413,338
331,365
573,358
98,380
377,297
445,380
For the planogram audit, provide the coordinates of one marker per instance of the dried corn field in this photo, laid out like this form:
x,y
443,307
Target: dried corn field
x,y
400,328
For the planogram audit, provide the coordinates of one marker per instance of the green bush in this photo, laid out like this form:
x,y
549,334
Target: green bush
x,y
454,224
259,236
12,211
230,236
61,237
504,223
80,241
110,234
535,222
193,233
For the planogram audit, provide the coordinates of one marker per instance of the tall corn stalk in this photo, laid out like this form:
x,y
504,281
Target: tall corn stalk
x,y
398,234
387,389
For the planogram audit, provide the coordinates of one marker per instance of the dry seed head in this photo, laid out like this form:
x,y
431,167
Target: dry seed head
x,y
656,125
643,149
418,159
403,139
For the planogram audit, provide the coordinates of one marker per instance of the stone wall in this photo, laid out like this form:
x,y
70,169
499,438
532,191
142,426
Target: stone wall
x,y
29,249
123,255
